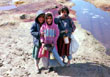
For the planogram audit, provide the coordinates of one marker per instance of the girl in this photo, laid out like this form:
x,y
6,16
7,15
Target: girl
x,y
50,33
35,32
66,27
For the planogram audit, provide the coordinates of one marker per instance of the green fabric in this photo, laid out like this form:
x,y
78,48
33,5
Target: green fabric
x,y
35,52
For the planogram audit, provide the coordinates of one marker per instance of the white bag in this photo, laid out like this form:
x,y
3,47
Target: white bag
x,y
44,62
66,40
73,45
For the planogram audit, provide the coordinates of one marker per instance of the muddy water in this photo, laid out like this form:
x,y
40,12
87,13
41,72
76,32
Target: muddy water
x,y
94,20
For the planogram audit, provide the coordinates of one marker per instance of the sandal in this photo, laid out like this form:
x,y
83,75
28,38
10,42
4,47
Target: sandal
x,y
50,69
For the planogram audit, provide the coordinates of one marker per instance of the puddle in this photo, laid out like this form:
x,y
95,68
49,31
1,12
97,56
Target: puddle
x,y
94,20
7,7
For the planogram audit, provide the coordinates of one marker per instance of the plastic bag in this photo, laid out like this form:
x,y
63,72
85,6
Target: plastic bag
x,y
44,62
73,45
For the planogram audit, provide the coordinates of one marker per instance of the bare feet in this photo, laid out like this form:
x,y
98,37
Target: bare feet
x,y
68,64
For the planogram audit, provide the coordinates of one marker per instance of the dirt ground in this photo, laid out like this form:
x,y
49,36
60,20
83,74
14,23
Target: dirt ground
x,y
16,45
10,2
103,4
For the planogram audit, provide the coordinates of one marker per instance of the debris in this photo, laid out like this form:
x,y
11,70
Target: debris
x,y
17,2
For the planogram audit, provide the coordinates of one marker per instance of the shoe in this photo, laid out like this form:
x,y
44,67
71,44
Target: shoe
x,y
50,69
38,71
43,68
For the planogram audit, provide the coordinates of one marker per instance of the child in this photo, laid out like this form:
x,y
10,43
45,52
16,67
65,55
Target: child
x,y
50,33
35,32
66,27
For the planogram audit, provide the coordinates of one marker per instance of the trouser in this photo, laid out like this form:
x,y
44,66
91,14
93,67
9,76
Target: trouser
x,y
57,57
69,57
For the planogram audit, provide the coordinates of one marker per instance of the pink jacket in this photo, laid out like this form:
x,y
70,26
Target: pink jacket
x,y
51,33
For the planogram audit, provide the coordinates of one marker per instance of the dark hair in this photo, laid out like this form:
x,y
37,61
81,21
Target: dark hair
x,y
47,15
36,19
64,8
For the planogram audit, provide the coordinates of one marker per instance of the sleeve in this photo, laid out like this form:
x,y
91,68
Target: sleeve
x,y
34,31
57,35
72,27
56,20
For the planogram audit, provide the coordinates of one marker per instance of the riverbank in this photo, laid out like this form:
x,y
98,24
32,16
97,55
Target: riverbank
x,y
16,45
103,4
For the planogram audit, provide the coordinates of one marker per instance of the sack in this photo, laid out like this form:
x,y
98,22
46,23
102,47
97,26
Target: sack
x,y
73,45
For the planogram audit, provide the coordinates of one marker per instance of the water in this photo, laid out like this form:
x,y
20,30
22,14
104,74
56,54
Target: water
x,y
9,7
94,20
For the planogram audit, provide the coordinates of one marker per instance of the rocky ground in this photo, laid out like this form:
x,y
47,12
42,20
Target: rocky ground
x,y
16,50
103,4
23,2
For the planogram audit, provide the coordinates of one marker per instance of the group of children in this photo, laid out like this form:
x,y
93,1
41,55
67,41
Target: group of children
x,y
49,35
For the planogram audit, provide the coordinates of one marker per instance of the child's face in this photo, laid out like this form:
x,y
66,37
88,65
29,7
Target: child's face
x,y
41,19
49,20
64,13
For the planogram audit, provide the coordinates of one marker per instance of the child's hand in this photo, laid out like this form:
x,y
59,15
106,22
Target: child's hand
x,y
42,34
43,44
52,45
66,31
62,15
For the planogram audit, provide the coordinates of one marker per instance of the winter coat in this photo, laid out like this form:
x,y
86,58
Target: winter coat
x,y
35,30
64,24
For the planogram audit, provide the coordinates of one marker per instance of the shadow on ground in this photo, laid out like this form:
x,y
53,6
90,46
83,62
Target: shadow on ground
x,y
84,70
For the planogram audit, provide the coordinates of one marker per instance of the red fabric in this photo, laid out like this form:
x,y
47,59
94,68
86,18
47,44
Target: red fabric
x,y
40,55
63,49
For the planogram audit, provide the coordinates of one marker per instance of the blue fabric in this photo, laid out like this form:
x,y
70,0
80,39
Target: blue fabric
x,y
35,29
35,52
35,32
39,12
69,57
53,63
57,57
64,24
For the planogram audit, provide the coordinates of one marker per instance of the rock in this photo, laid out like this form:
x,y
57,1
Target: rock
x,y
7,23
12,23
56,6
23,16
4,24
1,64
